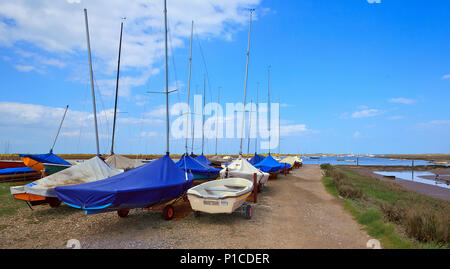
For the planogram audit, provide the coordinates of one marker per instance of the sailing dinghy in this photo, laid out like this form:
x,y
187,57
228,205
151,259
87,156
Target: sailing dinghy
x,y
241,168
256,159
269,165
49,162
221,196
118,161
225,195
43,190
199,170
155,183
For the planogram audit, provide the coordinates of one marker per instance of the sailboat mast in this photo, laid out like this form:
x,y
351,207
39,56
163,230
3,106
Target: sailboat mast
x,y
167,78
246,77
203,114
193,124
217,117
249,126
279,127
117,90
92,80
59,129
189,89
268,101
257,112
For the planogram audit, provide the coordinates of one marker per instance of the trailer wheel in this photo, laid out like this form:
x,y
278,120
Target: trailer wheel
x,y
168,212
123,213
248,212
54,202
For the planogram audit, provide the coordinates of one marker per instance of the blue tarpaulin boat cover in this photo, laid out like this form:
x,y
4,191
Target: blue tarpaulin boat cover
x,y
17,170
256,159
46,158
202,159
190,164
269,164
147,185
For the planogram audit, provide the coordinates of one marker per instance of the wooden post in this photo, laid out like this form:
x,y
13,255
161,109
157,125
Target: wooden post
x,y
412,170
255,188
285,169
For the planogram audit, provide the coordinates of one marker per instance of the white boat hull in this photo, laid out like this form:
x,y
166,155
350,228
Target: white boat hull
x,y
216,197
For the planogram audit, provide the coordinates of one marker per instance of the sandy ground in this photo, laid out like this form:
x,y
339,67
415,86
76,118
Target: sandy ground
x,y
426,189
294,211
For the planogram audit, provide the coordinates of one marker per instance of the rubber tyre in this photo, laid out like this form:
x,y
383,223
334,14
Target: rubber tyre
x,y
248,212
54,203
123,213
168,212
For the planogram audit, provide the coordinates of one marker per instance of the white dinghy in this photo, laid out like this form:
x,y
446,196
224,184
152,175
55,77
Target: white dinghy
x,y
221,196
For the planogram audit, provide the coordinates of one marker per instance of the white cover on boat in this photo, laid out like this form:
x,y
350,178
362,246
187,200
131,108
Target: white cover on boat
x,y
241,168
121,162
88,171
292,160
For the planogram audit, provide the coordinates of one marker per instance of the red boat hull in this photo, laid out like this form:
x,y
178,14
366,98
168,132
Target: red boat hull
x,y
11,164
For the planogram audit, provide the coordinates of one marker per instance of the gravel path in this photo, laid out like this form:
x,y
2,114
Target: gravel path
x,y
294,211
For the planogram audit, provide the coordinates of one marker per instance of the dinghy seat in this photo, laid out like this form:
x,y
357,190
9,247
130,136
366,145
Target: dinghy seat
x,y
235,186
212,189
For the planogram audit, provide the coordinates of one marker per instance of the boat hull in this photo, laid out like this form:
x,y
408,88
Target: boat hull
x,y
220,196
52,168
199,176
216,206
11,164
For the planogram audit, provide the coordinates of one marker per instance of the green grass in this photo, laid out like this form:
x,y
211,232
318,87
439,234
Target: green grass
x,y
9,205
382,201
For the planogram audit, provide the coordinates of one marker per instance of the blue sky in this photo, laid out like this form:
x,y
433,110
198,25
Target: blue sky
x,y
351,76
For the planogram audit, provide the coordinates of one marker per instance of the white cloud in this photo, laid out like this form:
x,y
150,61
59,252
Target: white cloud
x,y
158,112
435,123
398,117
402,100
446,76
292,130
148,134
143,42
357,134
24,68
366,113
29,117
